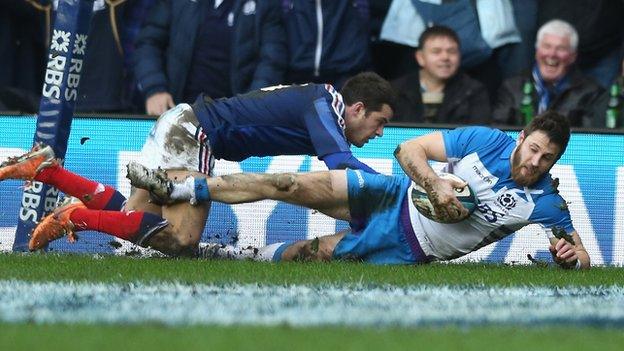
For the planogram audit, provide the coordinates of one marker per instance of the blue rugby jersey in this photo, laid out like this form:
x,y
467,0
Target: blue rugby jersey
x,y
481,156
282,120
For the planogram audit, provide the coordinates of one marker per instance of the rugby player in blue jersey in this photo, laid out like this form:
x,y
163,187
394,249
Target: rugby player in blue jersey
x,y
510,177
311,119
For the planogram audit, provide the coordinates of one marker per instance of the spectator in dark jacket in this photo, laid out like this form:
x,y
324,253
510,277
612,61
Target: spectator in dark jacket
x,y
103,80
553,84
328,41
220,48
438,93
23,43
28,25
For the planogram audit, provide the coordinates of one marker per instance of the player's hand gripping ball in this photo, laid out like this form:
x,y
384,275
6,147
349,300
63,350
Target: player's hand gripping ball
x,y
465,195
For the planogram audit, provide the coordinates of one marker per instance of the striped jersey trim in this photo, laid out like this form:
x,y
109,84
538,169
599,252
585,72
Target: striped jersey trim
x,y
337,105
204,152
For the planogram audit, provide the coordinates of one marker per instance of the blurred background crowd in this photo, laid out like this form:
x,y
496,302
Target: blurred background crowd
x,y
495,62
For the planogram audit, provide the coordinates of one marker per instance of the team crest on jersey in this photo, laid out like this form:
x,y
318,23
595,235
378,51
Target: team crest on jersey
x,y
507,201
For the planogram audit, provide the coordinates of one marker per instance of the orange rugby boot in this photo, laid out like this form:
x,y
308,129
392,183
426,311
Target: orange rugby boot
x,y
55,225
29,164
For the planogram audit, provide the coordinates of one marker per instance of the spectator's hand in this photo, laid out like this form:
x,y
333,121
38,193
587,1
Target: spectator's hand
x,y
158,103
564,253
442,196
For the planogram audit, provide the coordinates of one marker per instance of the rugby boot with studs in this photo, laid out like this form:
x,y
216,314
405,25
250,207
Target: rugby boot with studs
x,y
29,164
154,181
54,226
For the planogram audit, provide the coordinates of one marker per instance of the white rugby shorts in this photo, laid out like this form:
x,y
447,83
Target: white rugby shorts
x,y
177,142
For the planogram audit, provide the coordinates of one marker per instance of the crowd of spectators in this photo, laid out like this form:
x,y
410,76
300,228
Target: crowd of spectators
x,y
451,61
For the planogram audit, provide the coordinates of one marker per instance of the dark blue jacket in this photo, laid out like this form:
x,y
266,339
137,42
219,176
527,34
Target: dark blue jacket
x,y
343,47
165,46
23,46
24,38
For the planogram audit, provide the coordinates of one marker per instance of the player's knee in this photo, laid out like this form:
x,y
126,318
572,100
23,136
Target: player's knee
x,y
285,182
186,248
171,244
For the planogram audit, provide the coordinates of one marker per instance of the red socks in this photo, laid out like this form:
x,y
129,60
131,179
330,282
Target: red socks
x,y
104,204
124,225
94,195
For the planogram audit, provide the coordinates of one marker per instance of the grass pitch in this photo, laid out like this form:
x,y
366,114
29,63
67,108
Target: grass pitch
x,y
109,269
98,268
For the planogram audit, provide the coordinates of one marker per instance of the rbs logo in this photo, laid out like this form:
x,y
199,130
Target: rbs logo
x,y
55,72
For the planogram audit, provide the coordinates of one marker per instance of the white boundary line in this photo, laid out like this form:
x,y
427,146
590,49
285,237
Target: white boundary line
x,y
302,306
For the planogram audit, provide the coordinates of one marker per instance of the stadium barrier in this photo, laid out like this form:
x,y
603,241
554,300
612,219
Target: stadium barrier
x,y
591,176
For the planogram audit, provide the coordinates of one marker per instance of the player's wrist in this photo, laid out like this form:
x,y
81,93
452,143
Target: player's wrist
x,y
576,264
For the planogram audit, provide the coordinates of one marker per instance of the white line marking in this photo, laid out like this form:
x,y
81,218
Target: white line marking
x,y
180,304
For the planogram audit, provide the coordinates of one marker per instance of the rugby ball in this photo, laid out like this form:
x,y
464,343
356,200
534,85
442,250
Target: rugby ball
x,y
465,195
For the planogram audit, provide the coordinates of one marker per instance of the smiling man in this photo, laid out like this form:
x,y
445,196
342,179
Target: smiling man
x,y
438,92
554,83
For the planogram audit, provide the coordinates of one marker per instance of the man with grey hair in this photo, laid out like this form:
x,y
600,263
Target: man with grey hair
x,y
554,83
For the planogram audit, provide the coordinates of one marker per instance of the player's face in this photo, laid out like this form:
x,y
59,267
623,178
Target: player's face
x,y
554,56
439,57
534,155
363,125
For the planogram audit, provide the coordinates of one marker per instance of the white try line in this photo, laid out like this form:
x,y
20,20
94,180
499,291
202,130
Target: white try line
x,y
303,306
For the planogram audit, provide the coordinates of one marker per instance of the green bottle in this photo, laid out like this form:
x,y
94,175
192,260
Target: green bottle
x,y
614,108
526,105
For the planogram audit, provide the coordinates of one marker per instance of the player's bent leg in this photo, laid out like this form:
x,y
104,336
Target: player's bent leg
x,y
186,223
182,235
318,249
140,200
134,226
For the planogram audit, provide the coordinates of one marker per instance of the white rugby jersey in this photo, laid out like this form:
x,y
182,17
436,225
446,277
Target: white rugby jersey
x,y
481,156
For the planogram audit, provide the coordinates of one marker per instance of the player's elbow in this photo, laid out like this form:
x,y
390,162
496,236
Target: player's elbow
x,y
409,148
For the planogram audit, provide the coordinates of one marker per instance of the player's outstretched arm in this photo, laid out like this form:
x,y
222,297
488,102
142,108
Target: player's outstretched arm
x,y
568,255
413,156
343,160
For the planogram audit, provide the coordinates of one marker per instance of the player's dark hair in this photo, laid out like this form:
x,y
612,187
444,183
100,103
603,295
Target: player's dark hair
x,y
370,89
435,32
555,125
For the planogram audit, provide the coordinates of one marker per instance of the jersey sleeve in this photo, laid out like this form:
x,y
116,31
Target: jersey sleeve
x,y
325,124
343,160
551,212
460,142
